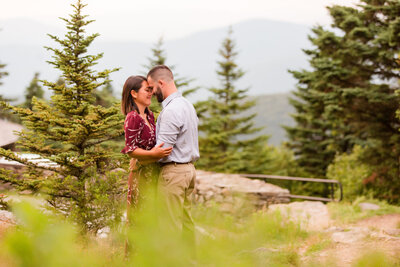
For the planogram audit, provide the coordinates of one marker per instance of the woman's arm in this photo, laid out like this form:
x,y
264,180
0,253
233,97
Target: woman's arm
x,y
152,155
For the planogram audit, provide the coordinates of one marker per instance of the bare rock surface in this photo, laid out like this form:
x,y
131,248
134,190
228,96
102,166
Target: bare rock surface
x,y
311,215
7,217
368,206
381,222
350,235
222,188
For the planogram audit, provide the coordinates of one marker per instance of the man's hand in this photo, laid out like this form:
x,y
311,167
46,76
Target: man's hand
x,y
160,152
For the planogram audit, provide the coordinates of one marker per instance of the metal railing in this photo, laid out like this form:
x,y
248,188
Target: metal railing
x,y
315,180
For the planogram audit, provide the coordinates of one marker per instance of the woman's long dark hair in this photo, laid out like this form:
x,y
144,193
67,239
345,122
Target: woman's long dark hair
x,y
127,102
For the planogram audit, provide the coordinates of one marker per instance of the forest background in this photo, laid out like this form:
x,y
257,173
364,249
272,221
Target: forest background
x,y
344,109
345,112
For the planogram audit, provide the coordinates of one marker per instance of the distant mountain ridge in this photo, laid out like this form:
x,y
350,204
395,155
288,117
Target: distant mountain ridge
x,y
267,49
272,112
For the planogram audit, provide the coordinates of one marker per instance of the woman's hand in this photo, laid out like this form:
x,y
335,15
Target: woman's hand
x,y
132,164
160,152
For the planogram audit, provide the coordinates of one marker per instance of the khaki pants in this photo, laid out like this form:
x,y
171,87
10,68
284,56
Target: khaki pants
x,y
176,184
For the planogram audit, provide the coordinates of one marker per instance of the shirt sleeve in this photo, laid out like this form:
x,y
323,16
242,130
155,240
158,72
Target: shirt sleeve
x,y
133,128
169,128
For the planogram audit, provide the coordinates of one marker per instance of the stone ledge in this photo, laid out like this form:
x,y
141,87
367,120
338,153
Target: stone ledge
x,y
221,187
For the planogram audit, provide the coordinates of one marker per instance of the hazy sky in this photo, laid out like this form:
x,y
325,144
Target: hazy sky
x,y
148,19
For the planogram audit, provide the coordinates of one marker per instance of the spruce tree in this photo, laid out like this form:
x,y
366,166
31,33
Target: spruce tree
x,y
351,82
317,135
3,73
371,42
4,113
158,55
33,90
223,128
70,131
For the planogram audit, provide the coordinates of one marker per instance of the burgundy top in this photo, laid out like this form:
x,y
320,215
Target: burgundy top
x,y
137,133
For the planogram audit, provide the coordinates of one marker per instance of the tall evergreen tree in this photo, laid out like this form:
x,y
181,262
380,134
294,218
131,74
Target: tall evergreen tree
x,y
352,83
313,138
4,113
223,143
3,73
33,90
158,55
70,131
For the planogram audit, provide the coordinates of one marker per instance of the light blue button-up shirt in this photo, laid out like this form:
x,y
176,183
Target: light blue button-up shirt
x,y
177,126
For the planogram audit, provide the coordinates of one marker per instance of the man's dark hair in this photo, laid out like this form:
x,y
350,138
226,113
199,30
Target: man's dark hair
x,y
161,72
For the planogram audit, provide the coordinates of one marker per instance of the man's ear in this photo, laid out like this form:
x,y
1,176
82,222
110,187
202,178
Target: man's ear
x,y
161,82
134,94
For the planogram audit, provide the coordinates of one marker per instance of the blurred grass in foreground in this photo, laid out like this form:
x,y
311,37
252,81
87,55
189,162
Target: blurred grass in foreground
x,y
240,238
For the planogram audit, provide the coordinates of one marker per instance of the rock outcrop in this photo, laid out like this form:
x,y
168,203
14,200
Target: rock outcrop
x,y
311,215
224,188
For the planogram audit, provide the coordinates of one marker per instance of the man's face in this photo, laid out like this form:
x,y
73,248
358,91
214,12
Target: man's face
x,y
156,89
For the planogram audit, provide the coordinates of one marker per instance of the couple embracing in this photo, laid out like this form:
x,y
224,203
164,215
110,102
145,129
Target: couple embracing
x,y
162,153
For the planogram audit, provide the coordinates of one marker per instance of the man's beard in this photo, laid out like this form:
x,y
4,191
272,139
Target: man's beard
x,y
159,95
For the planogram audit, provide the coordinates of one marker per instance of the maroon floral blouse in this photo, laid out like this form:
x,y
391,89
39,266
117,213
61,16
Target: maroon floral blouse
x,y
137,133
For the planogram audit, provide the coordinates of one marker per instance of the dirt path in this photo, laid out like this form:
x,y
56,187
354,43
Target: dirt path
x,y
383,222
345,245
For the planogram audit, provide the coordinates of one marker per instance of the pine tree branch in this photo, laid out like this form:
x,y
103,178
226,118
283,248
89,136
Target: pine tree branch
x,y
7,176
99,141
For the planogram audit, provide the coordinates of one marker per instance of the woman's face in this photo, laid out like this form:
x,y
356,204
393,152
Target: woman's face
x,y
143,96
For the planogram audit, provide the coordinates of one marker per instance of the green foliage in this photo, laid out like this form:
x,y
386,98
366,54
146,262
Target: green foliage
x,y
348,97
33,90
71,131
322,243
4,204
4,113
350,212
282,162
105,97
351,172
2,72
224,129
375,259
223,239
256,240
45,240
158,55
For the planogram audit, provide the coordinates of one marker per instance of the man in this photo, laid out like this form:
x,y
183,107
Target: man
x,y
177,128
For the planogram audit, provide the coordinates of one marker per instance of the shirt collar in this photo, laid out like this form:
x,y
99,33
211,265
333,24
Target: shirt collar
x,y
170,98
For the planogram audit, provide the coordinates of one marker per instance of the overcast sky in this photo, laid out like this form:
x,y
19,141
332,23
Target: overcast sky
x,y
146,20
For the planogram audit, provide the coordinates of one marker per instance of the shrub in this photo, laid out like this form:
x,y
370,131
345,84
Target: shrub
x,y
350,171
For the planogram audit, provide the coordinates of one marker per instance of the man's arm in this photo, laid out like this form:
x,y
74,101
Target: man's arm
x,y
169,128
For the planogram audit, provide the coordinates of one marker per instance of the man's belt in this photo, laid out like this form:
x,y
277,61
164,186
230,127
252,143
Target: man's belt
x,y
173,162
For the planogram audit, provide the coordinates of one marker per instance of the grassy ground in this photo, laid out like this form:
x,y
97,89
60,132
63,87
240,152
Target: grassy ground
x,y
240,238
350,212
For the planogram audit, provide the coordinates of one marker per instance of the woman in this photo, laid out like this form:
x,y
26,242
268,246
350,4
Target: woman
x,y
140,137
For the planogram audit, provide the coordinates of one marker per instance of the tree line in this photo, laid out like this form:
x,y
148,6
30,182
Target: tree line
x,y
348,101
346,117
